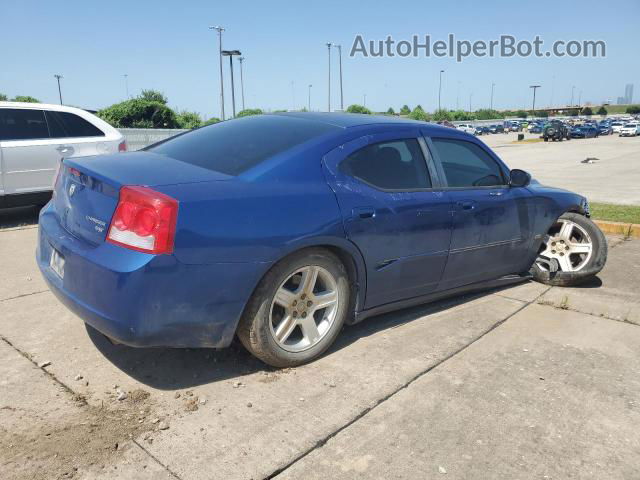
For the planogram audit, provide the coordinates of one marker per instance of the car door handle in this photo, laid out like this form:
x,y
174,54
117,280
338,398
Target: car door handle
x,y
65,149
496,194
363,212
467,205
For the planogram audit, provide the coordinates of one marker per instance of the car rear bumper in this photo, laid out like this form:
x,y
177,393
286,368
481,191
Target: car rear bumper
x,y
145,300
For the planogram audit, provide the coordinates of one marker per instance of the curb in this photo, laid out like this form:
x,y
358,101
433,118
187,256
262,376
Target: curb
x,y
619,228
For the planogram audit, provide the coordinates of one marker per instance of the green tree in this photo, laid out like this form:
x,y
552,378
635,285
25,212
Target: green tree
x,y
542,114
139,113
462,115
25,98
573,112
602,111
249,111
521,114
488,114
587,111
633,109
212,120
440,115
189,119
153,96
419,114
391,111
358,109
3,97
405,110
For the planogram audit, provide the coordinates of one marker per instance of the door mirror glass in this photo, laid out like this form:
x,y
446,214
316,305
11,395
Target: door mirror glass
x,y
519,178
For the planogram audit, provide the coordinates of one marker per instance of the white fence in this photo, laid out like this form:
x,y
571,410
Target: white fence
x,y
138,138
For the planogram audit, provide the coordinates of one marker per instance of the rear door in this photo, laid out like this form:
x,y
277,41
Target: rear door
x,y
29,155
75,135
393,212
492,222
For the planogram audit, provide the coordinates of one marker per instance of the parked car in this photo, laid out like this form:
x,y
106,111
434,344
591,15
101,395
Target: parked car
x,y
479,130
555,131
446,123
616,127
34,137
513,126
584,132
209,235
605,129
630,130
535,128
496,129
467,128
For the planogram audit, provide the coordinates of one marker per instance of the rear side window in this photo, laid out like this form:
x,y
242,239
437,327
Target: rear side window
x,y
22,124
396,165
235,146
64,124
466,164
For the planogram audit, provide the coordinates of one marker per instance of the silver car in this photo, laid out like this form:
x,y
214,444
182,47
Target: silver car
x,y
35,137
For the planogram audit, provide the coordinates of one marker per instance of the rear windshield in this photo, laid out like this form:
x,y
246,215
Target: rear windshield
x,y
235,146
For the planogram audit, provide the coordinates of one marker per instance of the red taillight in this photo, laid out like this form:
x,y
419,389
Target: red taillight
x,y
144,220
122,147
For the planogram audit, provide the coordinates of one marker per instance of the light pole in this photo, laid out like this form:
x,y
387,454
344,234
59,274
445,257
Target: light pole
x,y
365,100
309,100
440,90
126,84
220,30
58,77
458,96
339,47
241,59
572,90
533,108
230,54
470,97
492,87
580,98
329,82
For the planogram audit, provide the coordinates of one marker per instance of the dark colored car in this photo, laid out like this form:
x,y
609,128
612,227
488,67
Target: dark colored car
x,y
605,129
280,229
479,131
584,132
556,131
496,129
446,123
537,128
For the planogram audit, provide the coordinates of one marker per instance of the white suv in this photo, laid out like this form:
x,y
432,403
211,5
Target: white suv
x,y
35,137
467,127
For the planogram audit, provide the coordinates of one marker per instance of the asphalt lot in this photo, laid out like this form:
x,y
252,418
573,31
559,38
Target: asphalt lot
x,y
612,178
525,382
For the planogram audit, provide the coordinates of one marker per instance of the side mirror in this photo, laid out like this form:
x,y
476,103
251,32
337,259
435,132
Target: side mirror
x,y
519,178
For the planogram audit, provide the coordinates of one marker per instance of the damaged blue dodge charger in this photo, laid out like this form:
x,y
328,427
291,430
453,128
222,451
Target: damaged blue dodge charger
x,y
280,229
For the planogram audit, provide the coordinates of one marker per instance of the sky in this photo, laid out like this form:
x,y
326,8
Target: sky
x,y
168,46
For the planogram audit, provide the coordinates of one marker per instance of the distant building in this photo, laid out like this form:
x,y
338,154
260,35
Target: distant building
x,y
628,93
621,101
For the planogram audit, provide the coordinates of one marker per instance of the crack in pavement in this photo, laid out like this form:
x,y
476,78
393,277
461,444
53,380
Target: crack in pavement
x,y
320,443
550,304
23,295
155,459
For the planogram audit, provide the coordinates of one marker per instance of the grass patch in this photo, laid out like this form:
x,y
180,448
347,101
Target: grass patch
x,y
615,213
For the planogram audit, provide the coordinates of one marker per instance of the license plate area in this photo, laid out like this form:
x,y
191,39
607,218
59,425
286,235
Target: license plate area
x,y
57,262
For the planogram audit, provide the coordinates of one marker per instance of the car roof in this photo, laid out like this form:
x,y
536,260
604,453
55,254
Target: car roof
x,y
348,120
40,106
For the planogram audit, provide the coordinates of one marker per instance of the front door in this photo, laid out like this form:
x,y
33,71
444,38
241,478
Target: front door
x,y
491,220
392,213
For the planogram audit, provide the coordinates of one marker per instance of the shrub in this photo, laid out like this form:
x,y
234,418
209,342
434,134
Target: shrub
x,y
587,111
440,115
249,111
489,114
189,119
405,110
602,111
3,97
391,111
26,99
358,109
212,120
140,113
462,115
153,96
633,109
419,114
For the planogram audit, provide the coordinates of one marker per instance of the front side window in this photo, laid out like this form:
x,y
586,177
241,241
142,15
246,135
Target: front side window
x,y
65,124
465,164
394,165
22,124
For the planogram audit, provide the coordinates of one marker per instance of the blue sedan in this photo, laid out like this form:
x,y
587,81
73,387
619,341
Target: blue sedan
x,y
280,229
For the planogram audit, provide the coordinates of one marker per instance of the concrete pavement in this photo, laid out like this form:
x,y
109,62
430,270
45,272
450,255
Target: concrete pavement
x,y
454,386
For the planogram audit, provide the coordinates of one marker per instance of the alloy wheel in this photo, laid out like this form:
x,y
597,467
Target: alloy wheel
x,y
567,245
304,308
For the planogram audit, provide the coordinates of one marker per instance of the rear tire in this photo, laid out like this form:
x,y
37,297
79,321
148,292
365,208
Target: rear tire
x,y
284,323
577,246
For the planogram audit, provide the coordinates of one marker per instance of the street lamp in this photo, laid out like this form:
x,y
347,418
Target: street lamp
x,y
126,84
329,83
470,97
440,90
309,105
492,87
220,30
572,90
364,100
533,108
230,54
241,59
339,47
58,77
